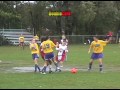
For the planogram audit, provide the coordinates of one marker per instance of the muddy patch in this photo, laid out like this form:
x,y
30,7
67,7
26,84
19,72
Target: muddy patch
x,y
31,69
23,69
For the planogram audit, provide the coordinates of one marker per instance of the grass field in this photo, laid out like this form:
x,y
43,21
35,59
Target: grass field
x,y
78,57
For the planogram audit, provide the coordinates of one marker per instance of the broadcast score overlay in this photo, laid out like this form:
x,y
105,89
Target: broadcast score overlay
x,y
59,13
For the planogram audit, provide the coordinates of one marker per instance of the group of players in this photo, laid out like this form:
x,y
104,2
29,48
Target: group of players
x,y
46,52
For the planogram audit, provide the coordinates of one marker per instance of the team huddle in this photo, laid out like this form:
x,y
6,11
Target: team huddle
x,y
46,51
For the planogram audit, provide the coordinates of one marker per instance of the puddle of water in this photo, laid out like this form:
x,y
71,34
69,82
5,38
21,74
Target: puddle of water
x,y
23,69
31,69
27,69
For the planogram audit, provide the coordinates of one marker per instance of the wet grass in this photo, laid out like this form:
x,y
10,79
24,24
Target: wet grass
x,y
13,56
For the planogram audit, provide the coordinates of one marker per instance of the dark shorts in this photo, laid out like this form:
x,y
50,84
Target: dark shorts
x,y
49,56
34,56
97,56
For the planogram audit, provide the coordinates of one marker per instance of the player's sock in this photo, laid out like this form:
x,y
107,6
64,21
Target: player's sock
x,y
35,67
50,71
90,65
50,66
56,64
101,67
44,69
38,68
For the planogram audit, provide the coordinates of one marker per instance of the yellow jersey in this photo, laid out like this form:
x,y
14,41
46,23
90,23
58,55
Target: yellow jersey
x,y
36,37
21,39
98,46
48,46
34,48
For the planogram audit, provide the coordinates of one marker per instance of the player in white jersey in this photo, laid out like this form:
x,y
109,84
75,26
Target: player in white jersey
x,y
62,50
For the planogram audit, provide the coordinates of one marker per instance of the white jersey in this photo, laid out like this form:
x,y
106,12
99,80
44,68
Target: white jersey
x,y
65,41
61,49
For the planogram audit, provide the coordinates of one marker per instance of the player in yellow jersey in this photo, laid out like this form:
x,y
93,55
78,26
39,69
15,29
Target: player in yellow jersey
x,y
21,41
35,53
98,47
43,54
47,47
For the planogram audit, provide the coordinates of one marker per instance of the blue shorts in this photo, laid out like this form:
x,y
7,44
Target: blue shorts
x,y
34,56
97,56
49,56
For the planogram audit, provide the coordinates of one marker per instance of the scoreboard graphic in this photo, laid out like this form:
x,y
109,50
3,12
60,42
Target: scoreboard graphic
x,y
56,13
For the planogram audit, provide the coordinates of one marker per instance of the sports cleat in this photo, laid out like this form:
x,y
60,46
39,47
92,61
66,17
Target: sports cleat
x,y
50,71
43,73
59,70
102,72
40,71
89,69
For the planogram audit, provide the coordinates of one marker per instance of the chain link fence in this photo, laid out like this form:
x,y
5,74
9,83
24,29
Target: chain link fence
x,y
81,39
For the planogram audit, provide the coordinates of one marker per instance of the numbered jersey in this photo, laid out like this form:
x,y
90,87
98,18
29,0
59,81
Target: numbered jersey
x,y
48,46
98,46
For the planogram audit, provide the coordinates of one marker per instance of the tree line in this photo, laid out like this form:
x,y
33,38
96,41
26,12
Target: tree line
x,y
87,17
